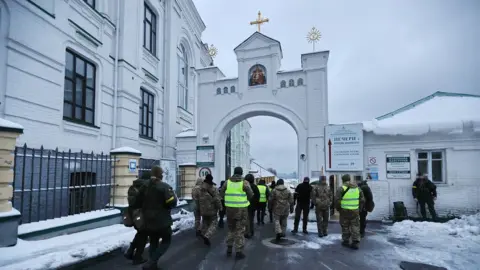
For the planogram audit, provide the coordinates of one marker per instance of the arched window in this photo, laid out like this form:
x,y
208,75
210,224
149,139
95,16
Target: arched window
x,y
225,90
219,91
283,84
300,81
291,82
232,89
183,78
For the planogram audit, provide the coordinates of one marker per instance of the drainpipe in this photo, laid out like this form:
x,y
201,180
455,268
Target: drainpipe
x,y
166,81
115,78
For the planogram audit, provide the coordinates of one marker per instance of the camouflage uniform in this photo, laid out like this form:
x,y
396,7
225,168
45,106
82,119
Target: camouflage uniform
x,y
321,197
196,209
237,218
209,206
281,200
349,219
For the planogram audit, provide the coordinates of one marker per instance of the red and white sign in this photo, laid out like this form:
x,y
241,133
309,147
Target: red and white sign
x,y
204,171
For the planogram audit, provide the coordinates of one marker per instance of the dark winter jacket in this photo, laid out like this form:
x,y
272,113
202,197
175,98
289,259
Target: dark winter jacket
x,y
367,193
133,193
302,193
256,196
424,190
158,200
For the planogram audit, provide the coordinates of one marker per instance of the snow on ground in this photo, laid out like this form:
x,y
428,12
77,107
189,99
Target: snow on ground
x,y
454,245
313,242
181,202
66,249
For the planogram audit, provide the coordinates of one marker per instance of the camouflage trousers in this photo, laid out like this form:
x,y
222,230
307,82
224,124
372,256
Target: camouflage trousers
x,y
280,223
209,225
198,217
322,220
350,223
237,219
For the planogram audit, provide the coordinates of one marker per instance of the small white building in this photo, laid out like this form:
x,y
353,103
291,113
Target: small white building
x,y
439,136
240,145
96,75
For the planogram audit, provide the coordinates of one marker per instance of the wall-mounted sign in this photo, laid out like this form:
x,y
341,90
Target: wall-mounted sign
x,y
132,165
205,156
398,165
204,171
372,168
344,147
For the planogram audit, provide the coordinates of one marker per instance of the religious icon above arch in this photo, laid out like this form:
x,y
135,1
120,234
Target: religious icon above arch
x,y
257,75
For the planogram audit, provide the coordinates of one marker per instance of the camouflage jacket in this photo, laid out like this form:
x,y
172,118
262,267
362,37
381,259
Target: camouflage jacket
x,y
281,200
339,193
321,196
209,200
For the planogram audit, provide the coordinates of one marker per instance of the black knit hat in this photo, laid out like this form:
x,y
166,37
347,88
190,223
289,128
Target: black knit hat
x,y
280,182
249,177
208,179
238,171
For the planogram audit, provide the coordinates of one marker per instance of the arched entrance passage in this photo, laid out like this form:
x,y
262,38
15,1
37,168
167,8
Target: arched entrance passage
x,y
253,109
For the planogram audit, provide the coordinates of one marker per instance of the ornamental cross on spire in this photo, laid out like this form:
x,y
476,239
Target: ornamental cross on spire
x,y
259,21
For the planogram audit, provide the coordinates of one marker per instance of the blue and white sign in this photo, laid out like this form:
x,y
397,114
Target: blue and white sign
x,y
132,165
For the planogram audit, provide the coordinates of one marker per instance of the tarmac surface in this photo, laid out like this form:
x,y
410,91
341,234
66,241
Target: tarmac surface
x,y
308,252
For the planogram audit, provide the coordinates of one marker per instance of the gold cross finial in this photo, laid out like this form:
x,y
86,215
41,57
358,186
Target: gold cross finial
x,y
259,21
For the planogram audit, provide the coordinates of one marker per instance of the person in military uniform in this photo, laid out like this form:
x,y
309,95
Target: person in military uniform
x,y
425,192
281,200
236,192
302,200
367,206
196,210
348,200
264,193
158,200
321,197
137,246
209,205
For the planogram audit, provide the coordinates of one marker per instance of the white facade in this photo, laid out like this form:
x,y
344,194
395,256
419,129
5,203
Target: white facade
x,y
441,136
36,72
261,89
240,145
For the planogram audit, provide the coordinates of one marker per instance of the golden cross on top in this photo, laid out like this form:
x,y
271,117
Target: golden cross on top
x,y
259,21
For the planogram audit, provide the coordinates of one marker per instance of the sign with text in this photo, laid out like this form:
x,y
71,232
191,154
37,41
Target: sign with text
x,y
203,172
344,147
205,156
398,166
372,168
132,165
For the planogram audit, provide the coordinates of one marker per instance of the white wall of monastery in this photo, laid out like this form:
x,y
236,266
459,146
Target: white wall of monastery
x,y
34,38
459,193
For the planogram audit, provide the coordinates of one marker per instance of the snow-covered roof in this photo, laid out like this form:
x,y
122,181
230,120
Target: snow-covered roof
x,y
439,112
187,133
258,171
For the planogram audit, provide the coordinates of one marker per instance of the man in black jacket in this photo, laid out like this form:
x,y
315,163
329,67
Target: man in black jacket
x,y
249,232
221,213
425,192
137,246
302,199
367,207
158,200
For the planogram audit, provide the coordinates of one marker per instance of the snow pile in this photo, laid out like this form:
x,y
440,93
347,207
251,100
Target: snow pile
x,y
67,249
439,114
181,202
454,245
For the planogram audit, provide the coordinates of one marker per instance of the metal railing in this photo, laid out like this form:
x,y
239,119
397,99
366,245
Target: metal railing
x,y
50,184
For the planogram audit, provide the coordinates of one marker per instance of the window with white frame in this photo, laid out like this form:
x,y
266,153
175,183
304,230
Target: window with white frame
x,y
183,78
432,163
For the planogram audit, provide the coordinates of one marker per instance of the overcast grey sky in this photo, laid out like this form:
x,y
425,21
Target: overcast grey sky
x,y
383,54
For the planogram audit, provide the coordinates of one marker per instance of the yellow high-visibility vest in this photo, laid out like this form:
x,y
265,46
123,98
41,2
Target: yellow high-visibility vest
x,y
235,196
350,200
263,193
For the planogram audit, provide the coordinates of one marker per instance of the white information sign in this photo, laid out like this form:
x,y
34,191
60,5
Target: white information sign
x,y
132,165
398,165
205,156
344,147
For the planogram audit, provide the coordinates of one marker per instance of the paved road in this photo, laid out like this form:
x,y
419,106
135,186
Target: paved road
x,y
310,252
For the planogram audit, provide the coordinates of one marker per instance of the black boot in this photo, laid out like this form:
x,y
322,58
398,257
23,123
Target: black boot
x,y
354,245
206,241
129,253
278,237
305,228
138,259
345,244
239,255
229,250
320,235
295,229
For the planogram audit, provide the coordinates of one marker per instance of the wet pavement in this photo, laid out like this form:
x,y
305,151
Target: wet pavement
x,y
305,252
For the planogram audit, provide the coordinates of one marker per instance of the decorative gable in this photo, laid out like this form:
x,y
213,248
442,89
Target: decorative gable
x,y
257,41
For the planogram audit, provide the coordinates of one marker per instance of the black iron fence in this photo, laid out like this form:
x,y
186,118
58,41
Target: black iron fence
x,y
50,184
